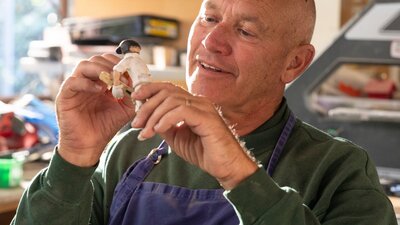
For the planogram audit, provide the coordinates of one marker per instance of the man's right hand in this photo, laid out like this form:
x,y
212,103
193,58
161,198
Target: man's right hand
x,y
87,113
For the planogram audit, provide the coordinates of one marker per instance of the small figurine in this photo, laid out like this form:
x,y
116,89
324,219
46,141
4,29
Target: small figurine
x,y
132,64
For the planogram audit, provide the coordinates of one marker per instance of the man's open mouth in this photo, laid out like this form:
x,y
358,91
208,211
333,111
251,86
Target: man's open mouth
x,y
209,67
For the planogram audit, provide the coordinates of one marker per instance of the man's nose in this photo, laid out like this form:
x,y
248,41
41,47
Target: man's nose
x,y
217,40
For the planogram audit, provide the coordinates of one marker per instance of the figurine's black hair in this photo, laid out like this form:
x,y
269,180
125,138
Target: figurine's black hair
x,y
124,46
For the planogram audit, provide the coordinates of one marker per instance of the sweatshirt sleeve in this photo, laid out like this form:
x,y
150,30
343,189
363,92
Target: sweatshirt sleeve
x,y
276,206
59,194
270,204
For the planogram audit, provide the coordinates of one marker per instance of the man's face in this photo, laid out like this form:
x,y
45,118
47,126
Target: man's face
x,y
237,52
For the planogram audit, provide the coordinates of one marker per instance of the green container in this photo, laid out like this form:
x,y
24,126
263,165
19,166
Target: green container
x,y
10,172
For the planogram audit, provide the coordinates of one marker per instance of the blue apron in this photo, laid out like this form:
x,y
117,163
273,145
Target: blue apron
x,y
139,202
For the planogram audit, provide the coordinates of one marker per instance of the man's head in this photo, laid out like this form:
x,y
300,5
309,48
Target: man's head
x,y
243,52
128,46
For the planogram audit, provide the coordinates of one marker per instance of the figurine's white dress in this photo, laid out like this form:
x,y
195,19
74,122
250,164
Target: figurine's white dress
x,y
137,70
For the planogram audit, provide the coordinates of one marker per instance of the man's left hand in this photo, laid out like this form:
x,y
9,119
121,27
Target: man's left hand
x,y
195,130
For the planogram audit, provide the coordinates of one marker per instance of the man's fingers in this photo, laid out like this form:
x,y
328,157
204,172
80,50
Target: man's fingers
x,y
152,104
173,110
147,90
77,84
167,105
159,108
153,94
90,70
102,60
178,115
112,58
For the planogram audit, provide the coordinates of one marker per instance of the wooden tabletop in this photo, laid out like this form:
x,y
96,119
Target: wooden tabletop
x,y
9,197
396,205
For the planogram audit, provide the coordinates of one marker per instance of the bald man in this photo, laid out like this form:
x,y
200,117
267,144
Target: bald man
x,y
227,151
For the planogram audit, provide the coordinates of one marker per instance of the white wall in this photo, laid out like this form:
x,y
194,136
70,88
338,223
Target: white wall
x,y
328,23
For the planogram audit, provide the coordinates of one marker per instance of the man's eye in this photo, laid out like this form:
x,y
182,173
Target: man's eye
x,y
208,19
244,33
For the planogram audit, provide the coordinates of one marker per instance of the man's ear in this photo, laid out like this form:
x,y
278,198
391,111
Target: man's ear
x,y
299,59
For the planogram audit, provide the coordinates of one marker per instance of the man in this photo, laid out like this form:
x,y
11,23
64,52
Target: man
x,y
232,151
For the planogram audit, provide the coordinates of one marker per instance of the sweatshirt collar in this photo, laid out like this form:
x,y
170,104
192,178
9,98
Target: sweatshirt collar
x,y
266,135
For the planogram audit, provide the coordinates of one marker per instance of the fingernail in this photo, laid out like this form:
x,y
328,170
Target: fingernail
x,y
157,126
133,96
134,122
137,88
140,137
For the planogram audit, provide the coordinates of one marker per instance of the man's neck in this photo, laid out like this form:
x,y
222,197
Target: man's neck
x,y
246,121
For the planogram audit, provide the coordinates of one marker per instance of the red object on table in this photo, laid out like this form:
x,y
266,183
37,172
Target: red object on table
x,y
6,129
16,134
380,89
349,90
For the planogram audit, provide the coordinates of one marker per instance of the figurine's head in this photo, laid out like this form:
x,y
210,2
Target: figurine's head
x,y
128,46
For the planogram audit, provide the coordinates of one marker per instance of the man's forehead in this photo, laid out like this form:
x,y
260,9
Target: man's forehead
x,y
210,4
262,6
216,3
250,12
275,3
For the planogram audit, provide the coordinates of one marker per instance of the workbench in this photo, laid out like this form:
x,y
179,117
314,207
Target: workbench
x,y
9,198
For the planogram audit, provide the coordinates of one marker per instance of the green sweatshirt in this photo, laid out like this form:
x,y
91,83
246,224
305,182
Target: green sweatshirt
x,y
318,180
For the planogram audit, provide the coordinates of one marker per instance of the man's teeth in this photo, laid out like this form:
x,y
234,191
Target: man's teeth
x,y
211,67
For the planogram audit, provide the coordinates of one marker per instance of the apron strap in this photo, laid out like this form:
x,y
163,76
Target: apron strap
x,y
273,161
156,154
140,169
